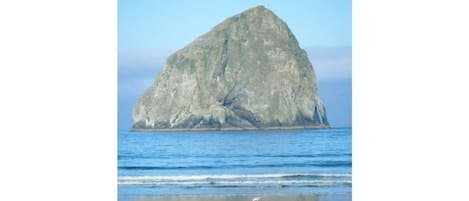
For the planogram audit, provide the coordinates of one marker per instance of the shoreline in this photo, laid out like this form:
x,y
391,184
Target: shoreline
x,y
297,197
276,128
221,198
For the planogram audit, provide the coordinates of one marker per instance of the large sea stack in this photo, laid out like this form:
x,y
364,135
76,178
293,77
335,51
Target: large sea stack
x,y
247,73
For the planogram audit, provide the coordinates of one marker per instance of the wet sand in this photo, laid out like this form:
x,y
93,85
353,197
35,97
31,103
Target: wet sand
x,y
222,198
329,197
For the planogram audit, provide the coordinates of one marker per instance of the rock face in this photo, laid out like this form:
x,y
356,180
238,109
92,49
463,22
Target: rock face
x,y
246,73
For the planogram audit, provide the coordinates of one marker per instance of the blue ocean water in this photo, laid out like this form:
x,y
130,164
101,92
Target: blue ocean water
x,y
235,163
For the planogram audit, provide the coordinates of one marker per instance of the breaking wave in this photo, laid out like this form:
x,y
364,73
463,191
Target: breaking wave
x,y
320,179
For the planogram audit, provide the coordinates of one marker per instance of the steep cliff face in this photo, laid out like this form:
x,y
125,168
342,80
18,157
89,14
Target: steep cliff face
x,y
246,73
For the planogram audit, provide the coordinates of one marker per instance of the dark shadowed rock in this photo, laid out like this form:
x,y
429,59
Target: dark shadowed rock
x,y
248,72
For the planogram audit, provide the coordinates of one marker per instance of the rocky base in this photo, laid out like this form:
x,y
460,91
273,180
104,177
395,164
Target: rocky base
x,y
277,128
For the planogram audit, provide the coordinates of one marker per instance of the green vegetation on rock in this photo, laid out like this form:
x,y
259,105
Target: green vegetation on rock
x,y
248,72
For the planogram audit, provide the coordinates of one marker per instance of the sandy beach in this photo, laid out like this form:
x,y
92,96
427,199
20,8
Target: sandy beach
x,y
320,197
224,198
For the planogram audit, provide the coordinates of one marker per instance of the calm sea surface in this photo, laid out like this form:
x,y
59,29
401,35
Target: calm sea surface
x,y
235,163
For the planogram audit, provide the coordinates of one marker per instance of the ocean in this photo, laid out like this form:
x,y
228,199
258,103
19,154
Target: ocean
x,y
294,162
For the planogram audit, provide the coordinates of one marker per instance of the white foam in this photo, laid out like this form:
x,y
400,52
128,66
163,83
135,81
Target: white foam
x,y
234,176
237,180
236,183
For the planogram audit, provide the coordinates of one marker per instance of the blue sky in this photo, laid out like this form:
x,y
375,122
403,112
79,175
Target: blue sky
x,y
173,24
149,31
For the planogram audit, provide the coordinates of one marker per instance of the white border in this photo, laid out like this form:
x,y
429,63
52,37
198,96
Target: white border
x,y
58,106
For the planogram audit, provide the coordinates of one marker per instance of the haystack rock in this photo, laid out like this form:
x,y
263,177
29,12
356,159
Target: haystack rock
x,y
247,73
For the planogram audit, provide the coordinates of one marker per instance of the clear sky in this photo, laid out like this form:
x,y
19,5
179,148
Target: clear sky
x,y
174,24
149,31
